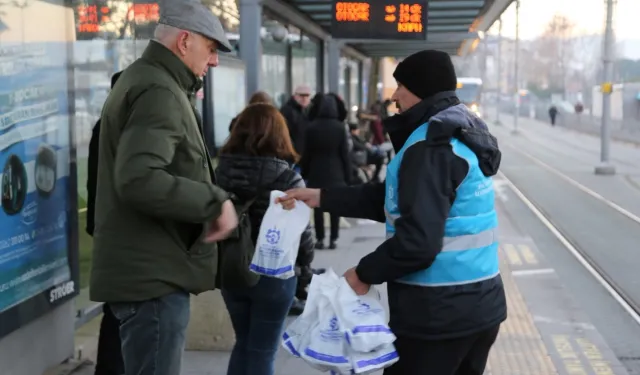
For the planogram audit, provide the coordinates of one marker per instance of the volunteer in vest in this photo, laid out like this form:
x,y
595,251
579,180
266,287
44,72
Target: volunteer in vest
x,y
440,258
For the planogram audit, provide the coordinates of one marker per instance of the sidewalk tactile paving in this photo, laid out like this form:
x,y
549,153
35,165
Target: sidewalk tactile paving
x,y
519,349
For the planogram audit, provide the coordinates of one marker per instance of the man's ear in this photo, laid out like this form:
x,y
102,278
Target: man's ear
x,y
183,41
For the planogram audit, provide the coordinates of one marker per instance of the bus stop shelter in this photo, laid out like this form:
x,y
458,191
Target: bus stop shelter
x,y
373,28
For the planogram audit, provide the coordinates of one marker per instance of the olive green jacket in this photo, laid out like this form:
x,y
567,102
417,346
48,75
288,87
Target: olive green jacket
x,y
155,192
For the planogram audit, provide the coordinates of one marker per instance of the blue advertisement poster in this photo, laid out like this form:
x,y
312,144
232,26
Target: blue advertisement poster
x,y
34,171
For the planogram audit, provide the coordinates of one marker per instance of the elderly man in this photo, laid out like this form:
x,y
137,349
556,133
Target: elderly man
x,y
294,112
158,211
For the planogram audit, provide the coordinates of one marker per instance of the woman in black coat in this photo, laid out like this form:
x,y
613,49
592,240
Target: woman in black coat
x,y
326,162
257,159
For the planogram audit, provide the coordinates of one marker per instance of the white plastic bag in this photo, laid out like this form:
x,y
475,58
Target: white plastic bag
x,y
320,336
325,347
362,318
296,337
279,239
383,357
327,344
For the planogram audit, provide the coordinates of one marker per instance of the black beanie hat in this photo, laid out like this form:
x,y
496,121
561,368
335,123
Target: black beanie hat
x,y
427,73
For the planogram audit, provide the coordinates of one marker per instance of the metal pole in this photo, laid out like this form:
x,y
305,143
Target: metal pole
x,y
333,64
605,167
517,78
251,45
499,71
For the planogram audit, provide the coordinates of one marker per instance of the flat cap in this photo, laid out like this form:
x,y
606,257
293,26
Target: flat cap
x,y
194,16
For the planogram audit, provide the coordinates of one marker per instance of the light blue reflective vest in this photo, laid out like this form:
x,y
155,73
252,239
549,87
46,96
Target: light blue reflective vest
x,y
470,245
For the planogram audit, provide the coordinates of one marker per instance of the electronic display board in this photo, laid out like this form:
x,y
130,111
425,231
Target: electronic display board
x,y
379,19
91,18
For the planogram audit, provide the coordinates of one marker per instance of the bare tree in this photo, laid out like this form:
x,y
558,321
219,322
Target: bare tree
x,y
588,53
555,54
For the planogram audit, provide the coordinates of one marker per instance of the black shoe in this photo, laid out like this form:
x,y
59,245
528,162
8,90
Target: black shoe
x,y
318,271
301,295
319,245
332,245
297,307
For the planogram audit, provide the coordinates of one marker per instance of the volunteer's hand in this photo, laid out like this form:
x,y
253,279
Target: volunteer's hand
x,y
354,282
311,197
222,227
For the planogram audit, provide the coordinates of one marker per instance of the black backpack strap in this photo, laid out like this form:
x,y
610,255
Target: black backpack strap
x,y
245,207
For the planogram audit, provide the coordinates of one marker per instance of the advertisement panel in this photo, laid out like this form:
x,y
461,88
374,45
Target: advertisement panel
x,y
37,181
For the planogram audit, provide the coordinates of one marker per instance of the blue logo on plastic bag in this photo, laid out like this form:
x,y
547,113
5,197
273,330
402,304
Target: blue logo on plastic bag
x,y
365,309
333,332
333,324
273,236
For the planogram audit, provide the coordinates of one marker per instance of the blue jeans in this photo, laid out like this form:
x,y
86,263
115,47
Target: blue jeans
x,y
153,334
258,315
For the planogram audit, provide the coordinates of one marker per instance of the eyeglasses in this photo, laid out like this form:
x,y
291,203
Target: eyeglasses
x,y
303,95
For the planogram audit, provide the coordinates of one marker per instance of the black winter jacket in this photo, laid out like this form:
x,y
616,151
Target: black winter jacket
x,y
326,161
297,124
244,175
428,178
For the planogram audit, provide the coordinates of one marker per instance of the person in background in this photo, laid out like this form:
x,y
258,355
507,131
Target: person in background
x,y
109,357
362,150
255,160
158,212
440,256
378,136
377,130
294,113
553,113
385,108
326,161
257,97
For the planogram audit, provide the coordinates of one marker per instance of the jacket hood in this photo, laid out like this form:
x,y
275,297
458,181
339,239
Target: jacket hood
x,y
327,106
459,122
447,118
244,175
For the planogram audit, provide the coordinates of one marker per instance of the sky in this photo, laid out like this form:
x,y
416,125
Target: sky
x,y
588,15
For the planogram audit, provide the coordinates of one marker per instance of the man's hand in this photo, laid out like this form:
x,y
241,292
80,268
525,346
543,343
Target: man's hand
x,y
354,282
222,227
311,197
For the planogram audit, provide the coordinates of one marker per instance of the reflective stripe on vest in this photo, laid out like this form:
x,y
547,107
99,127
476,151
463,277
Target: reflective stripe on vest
x,y
458,243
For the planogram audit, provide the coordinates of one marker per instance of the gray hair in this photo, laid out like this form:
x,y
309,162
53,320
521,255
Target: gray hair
x,y
164,33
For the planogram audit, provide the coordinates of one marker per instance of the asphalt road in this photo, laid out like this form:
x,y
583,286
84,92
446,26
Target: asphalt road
x,y
534,161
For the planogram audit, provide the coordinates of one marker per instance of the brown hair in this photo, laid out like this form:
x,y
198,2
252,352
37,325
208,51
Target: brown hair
x,y
260,130
260,97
